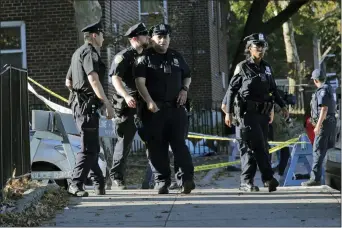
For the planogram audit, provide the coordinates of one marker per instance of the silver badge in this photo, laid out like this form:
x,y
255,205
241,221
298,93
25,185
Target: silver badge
x,y
268,70
175,62
261,36
162,27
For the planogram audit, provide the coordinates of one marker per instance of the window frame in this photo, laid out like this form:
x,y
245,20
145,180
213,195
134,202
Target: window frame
x,y
22,26
146,13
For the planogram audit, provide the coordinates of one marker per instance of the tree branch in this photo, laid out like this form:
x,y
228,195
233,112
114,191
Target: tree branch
x,y
275,22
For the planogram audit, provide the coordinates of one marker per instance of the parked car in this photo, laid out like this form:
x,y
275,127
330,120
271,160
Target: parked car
x,y
333,165
50,156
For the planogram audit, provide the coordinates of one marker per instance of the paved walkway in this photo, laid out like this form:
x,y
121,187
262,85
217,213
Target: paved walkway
x,y
209,206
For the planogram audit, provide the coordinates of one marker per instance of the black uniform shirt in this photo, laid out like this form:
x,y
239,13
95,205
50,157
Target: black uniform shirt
x,y
84,61
323,97
253,82
164,74
122,66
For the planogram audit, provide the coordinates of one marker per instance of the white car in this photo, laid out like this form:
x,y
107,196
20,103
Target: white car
x,y
50,156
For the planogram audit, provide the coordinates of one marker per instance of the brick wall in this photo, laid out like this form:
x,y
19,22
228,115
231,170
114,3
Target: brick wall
x,y
218,47
191,38
51,38
118,16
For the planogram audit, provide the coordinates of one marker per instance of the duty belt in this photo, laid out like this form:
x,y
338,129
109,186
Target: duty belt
x,y
260,107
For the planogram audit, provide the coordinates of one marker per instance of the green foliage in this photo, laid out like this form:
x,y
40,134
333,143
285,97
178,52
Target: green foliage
x,y
320,18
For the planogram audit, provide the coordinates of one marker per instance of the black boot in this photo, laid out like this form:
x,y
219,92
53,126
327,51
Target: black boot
x,y
272,185
188,186
163,188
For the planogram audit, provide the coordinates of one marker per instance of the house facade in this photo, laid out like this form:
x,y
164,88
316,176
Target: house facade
x,y
41,36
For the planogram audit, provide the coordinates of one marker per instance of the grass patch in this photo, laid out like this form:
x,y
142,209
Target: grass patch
x,y
52,201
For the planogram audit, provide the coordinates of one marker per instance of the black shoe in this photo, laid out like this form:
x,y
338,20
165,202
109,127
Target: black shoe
x,y
188,186
77,191
311,183
119,184
272,185
248,187
174,186
162,188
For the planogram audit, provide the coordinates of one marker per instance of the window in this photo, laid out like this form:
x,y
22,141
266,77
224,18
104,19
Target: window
x,y
151,8
13,44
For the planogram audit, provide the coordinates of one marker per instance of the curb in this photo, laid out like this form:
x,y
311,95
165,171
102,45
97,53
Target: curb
x,y
31,197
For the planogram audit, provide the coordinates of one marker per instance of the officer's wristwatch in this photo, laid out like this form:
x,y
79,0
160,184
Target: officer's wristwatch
x,y
185,88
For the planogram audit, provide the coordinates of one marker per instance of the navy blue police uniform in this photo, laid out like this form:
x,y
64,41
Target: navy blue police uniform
x,y
253,91
122,66
85,105
164,74
325,139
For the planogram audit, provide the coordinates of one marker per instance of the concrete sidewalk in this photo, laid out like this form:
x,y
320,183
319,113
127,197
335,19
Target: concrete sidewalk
x,y
289,206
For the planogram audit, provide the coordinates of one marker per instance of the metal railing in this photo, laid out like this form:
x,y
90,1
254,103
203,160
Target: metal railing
x,y
14,124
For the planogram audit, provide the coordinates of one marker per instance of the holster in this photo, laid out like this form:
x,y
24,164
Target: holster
x,y
88,104
119,105
239,109
246,133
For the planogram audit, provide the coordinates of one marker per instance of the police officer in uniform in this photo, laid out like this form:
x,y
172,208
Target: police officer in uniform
x,y
163,78
87,96
323,107
125,99
253,90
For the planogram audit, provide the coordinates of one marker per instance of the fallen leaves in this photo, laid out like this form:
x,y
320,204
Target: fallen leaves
x,y
52,201
15,187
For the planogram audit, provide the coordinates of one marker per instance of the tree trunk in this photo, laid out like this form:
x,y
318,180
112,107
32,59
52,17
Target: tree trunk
x,y
293,62
86,12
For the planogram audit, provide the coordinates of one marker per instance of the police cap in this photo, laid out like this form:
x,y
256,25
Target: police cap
x,y
137,30
93,28
256,38
318,75
160,29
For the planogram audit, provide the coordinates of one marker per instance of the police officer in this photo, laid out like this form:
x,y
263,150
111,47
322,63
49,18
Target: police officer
x,y
323,119
163,78
125,99
87,96
253,90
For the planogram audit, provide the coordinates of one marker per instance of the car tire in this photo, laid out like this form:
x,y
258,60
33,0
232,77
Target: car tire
x,y
63,183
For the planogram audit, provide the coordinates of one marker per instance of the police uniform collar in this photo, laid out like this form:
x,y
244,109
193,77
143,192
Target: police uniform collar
x,y
251,60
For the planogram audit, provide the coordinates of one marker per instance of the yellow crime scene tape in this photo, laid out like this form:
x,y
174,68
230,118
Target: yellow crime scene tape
x,y
197,136
47,90
225,164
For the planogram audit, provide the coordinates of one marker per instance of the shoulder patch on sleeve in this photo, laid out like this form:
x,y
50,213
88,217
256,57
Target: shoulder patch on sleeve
x,y
322,93
95,56
237,70
118,59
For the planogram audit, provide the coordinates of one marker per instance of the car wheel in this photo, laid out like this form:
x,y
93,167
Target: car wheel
x,y
50,167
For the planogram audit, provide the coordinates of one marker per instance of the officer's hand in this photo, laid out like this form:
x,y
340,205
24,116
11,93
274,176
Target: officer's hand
x,y
317,129
130,101
152,107
109,112
182,97
271,117
286,113
228,119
